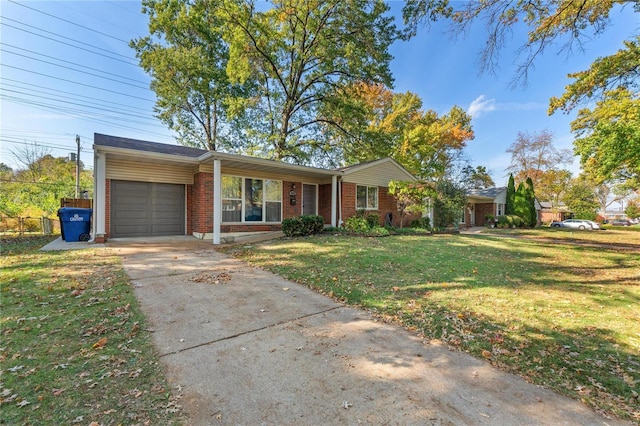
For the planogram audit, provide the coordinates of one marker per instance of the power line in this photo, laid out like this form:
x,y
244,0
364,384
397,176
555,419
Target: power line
x,y
49,135
96,120
110,23
68,95
75,82
74,111
70,22
26,141
73,69
71,45
72,63
80,104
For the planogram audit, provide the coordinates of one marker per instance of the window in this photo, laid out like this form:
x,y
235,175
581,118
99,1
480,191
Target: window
x,y
231,199
251,200
500,209
463,215
273,200
366,197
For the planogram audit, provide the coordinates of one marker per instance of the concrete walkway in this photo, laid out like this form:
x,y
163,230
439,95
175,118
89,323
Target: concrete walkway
x,y
245,346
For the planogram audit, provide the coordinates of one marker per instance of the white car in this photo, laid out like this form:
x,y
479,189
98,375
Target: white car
x,y
576,224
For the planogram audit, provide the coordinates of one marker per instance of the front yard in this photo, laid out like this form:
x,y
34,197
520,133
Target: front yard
x,y
558,308
74,346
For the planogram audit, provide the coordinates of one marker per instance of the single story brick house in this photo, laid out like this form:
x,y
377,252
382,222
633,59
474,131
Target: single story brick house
x,y
547,213
483,202
151,189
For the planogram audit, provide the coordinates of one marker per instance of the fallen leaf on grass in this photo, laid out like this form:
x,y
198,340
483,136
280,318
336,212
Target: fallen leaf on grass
x,y
57,392
23,403
100,343
486,354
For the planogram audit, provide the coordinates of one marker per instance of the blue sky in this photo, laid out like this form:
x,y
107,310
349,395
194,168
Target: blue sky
x,y
66,69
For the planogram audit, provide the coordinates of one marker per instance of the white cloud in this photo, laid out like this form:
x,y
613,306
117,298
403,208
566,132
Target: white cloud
x,y
480,105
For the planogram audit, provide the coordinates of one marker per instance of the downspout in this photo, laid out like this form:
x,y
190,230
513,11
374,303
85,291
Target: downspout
x,y
340,222
334,199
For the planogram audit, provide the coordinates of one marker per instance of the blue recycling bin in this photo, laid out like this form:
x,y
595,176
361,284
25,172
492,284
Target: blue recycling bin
x,y
75,223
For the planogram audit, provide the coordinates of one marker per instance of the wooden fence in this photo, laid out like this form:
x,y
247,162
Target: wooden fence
x,y
29,225
85,203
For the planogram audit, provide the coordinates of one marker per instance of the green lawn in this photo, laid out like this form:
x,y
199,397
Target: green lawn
x,y
74,346
558,313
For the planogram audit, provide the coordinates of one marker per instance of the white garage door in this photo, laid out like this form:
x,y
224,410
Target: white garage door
x,y
140,209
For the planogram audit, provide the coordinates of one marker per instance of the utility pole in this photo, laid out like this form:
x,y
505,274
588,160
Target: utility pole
x,y
78,168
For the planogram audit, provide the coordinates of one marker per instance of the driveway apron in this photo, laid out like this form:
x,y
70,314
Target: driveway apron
x,y
247,347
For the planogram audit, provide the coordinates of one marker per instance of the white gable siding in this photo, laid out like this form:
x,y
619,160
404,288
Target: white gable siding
x,y
377,175
501,198
148,172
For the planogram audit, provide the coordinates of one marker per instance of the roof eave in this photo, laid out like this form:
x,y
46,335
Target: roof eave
x,y
146,154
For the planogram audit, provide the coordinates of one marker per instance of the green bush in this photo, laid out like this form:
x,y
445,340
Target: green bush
x,y
378,231
373,220
356,224
302,225
422,223
510,221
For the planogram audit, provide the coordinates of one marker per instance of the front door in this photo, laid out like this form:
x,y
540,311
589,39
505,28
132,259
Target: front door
x,y
309,199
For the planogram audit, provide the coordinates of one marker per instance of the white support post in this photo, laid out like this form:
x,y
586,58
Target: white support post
x,y
217,200
334,200
99,196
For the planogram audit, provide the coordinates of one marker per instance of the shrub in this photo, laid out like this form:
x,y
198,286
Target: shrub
x,y
422,223
302,225
509,221
489,219
356,224
378,231
373,220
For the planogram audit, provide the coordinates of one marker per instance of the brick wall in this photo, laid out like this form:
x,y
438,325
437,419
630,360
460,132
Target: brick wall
x,y
386,204
200,209
482,210
289,210
348,194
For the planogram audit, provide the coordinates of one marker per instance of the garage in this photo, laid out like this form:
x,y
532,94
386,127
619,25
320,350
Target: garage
x,y
143,209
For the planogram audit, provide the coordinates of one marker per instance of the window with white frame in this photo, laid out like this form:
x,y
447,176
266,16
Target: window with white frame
x,y
231,199
273,200
366,197
500,209
251,200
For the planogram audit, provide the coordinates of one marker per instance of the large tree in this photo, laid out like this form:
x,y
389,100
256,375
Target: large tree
x,y
186,57
533,155
375,122
607,144
608,136
580,198
298,54
476,178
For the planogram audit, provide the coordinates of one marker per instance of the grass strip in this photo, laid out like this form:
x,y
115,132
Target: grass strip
x,y
74,347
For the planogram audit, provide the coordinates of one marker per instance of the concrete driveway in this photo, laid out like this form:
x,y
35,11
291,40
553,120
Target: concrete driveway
x,y
248,347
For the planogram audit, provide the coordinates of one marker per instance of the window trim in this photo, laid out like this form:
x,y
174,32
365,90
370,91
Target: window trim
x,y
367,187
264,201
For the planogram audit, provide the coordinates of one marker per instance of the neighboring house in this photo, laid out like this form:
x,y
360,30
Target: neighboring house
x,y
547,213
615,214
147,189
484,202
